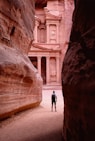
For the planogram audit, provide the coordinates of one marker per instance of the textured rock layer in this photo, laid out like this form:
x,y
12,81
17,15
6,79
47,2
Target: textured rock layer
x,y
16,23
78,75
20,83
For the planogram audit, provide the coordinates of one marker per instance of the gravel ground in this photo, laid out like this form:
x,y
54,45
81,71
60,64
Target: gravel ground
x,y
38,124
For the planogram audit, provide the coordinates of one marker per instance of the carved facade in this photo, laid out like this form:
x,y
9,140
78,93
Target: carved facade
x,y
51,36
45,53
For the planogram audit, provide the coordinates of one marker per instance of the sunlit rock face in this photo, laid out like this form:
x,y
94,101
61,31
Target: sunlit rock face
x,y
78,75
20,83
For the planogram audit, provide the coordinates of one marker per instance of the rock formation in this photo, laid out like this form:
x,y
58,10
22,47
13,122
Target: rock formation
x,y
20,83
78,75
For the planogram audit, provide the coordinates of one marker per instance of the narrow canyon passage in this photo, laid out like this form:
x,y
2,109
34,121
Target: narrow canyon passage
x,y
39,124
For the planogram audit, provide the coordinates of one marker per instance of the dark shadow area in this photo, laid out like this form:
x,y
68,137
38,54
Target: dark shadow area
x,y
52,136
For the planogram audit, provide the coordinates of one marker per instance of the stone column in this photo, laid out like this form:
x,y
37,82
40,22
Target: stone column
x,y
47,70
48,33
39,64
57,33
57,69
36,31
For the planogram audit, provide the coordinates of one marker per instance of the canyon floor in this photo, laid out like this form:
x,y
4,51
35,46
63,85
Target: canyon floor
x,y
37,124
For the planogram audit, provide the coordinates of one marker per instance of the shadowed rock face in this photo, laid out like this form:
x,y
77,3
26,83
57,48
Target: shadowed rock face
x,y
20,83
41,3
78,75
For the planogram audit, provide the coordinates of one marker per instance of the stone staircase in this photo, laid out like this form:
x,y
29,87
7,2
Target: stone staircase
x,y
52,87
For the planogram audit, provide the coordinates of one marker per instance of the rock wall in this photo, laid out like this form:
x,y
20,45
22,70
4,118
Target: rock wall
x,y
20,83
78,75
67,14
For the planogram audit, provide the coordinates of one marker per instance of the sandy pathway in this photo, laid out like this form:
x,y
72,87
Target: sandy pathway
x,y
39,124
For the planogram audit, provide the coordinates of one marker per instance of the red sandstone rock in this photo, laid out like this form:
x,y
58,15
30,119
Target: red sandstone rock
x,y
20,83
78,75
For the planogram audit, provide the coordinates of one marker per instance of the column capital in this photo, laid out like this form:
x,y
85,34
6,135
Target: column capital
x,y
47,57
39,56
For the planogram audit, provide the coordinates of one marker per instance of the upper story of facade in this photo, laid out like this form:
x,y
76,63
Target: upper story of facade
x,y
49,22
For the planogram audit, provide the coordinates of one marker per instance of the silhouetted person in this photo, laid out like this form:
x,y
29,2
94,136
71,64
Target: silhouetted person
x,y
53,100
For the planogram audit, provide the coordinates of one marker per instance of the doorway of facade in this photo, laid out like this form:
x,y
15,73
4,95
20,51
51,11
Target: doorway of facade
x,y
43,69
34,61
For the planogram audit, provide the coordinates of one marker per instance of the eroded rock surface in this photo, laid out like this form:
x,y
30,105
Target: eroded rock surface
x,y
20,83
78,75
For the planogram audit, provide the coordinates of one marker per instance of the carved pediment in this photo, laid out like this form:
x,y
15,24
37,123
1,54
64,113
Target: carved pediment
x,y
54,15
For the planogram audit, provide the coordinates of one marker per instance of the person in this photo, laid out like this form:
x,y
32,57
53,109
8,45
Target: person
x,y
53,100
